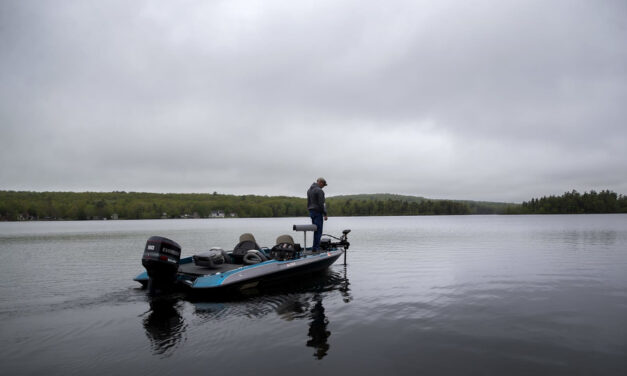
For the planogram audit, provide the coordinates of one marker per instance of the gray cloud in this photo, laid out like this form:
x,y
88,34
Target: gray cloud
x,y
481,100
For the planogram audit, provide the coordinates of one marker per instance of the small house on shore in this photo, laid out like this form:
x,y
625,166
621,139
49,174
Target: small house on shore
x,y
217,214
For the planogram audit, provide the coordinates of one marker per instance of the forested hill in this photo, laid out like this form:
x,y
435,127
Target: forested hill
x,y
133,205
381,197
393,204
141,205
576,203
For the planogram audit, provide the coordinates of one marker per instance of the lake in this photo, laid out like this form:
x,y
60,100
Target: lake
x,y
445,295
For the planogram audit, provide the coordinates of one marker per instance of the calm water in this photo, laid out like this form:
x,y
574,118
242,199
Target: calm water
x,y
420,295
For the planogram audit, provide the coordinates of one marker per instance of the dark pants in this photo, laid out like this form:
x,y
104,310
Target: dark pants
x,y
316,219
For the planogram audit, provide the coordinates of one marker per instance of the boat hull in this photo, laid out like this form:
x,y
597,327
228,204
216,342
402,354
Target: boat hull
x,y
250,276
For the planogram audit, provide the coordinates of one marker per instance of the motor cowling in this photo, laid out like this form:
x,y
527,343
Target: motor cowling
x,y
161,258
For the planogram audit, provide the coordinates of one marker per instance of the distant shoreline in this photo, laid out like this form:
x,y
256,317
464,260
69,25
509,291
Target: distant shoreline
x,y
72,206
304,217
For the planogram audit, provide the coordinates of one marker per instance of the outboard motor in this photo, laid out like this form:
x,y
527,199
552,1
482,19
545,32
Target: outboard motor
x,y
161,260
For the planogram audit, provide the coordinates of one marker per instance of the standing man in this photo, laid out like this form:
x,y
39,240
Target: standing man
x,y
317,209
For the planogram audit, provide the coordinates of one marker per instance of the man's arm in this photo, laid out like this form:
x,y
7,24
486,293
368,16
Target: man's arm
x,y
323,204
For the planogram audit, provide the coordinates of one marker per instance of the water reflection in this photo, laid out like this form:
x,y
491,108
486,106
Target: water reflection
x,y
301,300
344,287
318,329
311,308
164,325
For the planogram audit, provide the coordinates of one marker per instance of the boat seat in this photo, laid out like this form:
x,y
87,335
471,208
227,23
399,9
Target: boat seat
x,y
285,248
246,243
247,236
285,239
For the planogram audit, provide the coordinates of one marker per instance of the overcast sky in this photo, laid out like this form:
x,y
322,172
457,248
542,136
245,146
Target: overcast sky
x,y
482,100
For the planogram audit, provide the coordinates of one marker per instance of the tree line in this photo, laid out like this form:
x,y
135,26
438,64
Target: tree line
x,y
347,206
576,203
135,205
20,205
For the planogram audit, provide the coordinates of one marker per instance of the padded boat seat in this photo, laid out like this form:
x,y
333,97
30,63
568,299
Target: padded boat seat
x,y
246,243
285,239
285,248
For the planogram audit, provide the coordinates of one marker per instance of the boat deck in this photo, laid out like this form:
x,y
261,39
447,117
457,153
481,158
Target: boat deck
x,y
190,268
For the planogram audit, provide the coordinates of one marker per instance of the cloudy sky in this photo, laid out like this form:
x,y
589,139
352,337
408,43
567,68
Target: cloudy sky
x,y
483,100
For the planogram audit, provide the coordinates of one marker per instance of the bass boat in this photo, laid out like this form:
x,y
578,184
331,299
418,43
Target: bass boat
x,y
246,266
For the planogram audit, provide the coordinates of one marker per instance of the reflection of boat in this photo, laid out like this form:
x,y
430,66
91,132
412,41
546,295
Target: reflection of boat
x,y
301,301
164,326
289,307
246,266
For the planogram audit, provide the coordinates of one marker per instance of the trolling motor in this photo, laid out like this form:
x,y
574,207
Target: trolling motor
x,y
326,243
